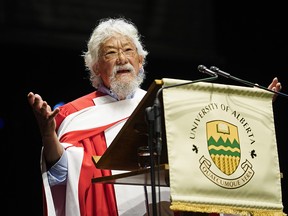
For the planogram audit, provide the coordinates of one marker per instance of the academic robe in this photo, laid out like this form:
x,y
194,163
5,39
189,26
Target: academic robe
x,y
82,127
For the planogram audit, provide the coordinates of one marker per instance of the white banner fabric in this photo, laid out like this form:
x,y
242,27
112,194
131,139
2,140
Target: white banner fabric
x,y
222,149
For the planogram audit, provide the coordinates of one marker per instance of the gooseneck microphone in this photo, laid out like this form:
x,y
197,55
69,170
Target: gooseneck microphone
x,y
229,76
205,70
220,72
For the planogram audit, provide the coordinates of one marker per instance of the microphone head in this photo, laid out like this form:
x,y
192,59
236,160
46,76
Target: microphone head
x,y
205,70
202,68
215,69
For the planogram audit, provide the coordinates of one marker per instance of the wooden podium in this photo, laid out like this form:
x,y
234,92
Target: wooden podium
x,y
122,152
136,177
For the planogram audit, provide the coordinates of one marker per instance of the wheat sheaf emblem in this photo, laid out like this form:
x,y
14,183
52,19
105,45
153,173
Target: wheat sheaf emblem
x,y
223,145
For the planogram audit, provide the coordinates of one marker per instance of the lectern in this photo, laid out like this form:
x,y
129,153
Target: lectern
x,y
122,152
218,138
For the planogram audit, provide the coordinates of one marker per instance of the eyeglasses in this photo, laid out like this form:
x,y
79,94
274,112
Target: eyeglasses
x,y
115,53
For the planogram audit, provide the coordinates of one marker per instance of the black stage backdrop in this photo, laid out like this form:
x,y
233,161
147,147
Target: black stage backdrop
x,y
42,44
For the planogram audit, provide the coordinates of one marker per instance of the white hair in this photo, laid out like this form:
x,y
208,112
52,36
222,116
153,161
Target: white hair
x,y
106,29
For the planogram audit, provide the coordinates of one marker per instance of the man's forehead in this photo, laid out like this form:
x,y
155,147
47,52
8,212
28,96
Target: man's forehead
x,y
117,40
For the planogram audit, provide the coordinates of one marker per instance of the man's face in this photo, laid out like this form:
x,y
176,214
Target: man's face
x,y
115,56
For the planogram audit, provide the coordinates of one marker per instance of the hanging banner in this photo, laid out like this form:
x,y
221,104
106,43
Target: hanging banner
x,y
222,149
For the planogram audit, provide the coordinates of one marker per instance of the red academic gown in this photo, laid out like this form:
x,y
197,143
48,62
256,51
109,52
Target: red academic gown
x,y
93,199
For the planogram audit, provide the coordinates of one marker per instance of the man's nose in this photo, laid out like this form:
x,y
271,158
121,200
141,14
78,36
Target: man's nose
x,y
122,58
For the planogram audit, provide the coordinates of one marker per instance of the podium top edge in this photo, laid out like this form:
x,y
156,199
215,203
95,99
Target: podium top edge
x,y
159,81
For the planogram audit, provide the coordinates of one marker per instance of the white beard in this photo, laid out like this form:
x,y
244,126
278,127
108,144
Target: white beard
x,y
126,85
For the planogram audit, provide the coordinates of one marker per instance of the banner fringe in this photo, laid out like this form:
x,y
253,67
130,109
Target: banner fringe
x,y
243,211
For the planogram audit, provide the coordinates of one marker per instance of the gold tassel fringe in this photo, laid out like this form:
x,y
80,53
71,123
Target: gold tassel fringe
x,y
244,211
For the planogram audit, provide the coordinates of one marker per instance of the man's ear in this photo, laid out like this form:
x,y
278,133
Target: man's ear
x,y
141,58
95,69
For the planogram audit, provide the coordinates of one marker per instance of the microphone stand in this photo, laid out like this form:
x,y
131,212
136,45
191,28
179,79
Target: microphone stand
x,y
227,75
153,116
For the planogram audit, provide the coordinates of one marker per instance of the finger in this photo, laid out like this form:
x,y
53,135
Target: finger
x,y
31,98
46,110
278,86
38,102
54,113
44,107
273,83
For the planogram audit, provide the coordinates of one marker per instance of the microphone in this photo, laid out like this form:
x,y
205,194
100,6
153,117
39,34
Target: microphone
x,y
229,76
205,70
218,71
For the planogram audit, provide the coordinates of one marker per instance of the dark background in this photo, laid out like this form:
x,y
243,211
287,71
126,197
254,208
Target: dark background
x,y
42,42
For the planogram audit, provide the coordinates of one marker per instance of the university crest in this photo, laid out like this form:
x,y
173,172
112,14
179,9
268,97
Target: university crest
x,y
223,145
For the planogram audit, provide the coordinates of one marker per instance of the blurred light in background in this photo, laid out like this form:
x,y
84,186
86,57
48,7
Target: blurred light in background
x,y
58,104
